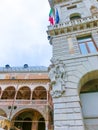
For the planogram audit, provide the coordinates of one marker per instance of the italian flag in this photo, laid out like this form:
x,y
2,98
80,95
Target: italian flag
x,y
51,19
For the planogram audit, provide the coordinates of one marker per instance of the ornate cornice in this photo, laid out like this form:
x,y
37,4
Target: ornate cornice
x,y
74,25
23,81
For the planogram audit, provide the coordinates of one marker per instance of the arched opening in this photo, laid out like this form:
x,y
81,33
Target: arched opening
x,y
88,97
8,93
28,119
75,16
41,124
39,93
24,93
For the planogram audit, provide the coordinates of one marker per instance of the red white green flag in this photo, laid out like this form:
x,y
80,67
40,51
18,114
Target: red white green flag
x,y
51,18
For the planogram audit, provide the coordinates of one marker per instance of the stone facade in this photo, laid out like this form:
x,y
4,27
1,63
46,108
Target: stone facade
x,y
69,39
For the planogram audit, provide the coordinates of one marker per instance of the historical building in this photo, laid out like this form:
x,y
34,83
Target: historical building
x,y
64,95
25,100
74,69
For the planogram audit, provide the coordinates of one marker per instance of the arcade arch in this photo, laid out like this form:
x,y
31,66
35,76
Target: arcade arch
x,y
39,93
28,119
24,93
8,93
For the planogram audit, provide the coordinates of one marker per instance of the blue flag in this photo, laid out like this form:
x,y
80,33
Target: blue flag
x,y
57,19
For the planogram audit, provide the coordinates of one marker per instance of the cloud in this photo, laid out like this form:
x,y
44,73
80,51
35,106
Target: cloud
x,y
23,37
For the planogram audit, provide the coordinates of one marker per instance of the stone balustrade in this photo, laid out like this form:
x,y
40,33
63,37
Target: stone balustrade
x,y
73,22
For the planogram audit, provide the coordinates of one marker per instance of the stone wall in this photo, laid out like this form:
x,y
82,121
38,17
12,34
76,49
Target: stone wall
x,y
67,106
64,48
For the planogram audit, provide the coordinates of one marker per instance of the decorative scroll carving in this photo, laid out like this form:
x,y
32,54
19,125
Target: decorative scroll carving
x,y
57,74
94,10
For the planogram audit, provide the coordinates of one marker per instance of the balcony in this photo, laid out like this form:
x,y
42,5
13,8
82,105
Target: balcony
x,y
78,23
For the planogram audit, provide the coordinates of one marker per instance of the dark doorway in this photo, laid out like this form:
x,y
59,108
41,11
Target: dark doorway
x,y
41,124
27,124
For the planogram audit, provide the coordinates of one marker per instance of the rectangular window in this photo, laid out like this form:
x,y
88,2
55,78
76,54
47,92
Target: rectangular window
x,y
87,45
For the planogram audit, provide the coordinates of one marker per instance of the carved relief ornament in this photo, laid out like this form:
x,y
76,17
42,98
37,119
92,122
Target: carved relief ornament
x,y
57,75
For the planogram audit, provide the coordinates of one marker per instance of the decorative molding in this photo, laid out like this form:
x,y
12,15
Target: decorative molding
x,y
94,10
24,81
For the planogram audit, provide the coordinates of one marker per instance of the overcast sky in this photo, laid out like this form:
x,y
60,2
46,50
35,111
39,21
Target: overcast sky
x,y
23,37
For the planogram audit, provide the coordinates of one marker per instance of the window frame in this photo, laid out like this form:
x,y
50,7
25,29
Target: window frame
x,y
86,43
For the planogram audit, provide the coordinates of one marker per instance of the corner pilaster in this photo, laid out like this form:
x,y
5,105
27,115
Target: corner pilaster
x,y
66,101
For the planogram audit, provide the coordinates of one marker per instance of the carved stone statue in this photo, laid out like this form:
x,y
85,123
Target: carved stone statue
x,y
57,74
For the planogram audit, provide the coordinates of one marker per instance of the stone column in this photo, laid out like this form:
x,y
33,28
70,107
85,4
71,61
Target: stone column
x,y
46,128
34,125
1,94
